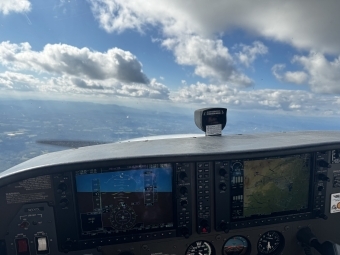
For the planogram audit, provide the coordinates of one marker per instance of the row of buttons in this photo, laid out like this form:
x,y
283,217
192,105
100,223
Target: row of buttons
x,y
184,217
200,165
201,176
124,239
184,214
319,202
203,198
271,220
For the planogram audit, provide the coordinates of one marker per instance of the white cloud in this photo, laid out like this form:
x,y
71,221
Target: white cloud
x,y
210,58
276,69
153,90
191,30
324,74
297,77
18,81
269,99
68,84
320,73
119,15
70,60
8,6
70,69
249,53
307,24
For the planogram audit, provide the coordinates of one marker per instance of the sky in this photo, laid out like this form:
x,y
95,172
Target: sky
x,y
246,55
125,181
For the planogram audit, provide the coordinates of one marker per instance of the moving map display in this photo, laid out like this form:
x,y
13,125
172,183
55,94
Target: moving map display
x,y
272,186
125,199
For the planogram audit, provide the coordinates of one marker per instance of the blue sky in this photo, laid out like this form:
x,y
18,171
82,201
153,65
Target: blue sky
x,y
278,56
125,181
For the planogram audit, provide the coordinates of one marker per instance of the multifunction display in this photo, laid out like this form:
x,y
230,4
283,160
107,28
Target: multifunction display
x,y
269,187
130,199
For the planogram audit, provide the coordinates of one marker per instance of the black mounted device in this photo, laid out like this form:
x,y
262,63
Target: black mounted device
x,y
211,120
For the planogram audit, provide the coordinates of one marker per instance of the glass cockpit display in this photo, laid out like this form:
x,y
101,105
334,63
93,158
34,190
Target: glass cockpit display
x,y
269,187
122,200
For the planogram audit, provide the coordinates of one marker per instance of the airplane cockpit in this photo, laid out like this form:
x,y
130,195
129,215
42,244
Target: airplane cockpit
x,y
264,194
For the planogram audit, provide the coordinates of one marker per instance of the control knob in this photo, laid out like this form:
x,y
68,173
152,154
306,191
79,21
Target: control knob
x,y
184,203
320,188
323,177
223,186
323,163
183,191
62,187
183,176
63,202
223,172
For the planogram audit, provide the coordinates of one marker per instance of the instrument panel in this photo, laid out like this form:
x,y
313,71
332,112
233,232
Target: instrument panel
x,y
218,205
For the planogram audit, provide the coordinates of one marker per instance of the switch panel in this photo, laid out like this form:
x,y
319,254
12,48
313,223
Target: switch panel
x,y
42,245
32,231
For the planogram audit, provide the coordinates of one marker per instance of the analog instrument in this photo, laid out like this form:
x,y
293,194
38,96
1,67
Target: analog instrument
x,y
271,242
199,248
236,245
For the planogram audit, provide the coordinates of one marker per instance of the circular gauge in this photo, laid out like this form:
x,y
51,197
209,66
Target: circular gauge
x,y
236,245
123,217
199,248
237,167
271,242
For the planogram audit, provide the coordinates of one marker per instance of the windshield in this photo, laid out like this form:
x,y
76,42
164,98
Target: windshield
x,y
83,72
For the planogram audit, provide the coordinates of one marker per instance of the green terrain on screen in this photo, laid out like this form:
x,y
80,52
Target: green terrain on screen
x,y
275,185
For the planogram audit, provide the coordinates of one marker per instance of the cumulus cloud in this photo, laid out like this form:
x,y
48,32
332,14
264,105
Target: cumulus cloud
x,y
70,60
269,99
210,58
249,53
320,73
297,77
324,74
8,6
153,90
119,15
65,68
68,84
19,81
307,24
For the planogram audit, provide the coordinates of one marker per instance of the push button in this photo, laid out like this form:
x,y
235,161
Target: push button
x,y
22,246
42,245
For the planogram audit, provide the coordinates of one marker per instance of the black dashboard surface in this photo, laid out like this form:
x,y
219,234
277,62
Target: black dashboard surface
x,y
181,148
179,196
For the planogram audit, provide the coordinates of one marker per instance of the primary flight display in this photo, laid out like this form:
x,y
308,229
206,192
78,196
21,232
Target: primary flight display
x,y
125,199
